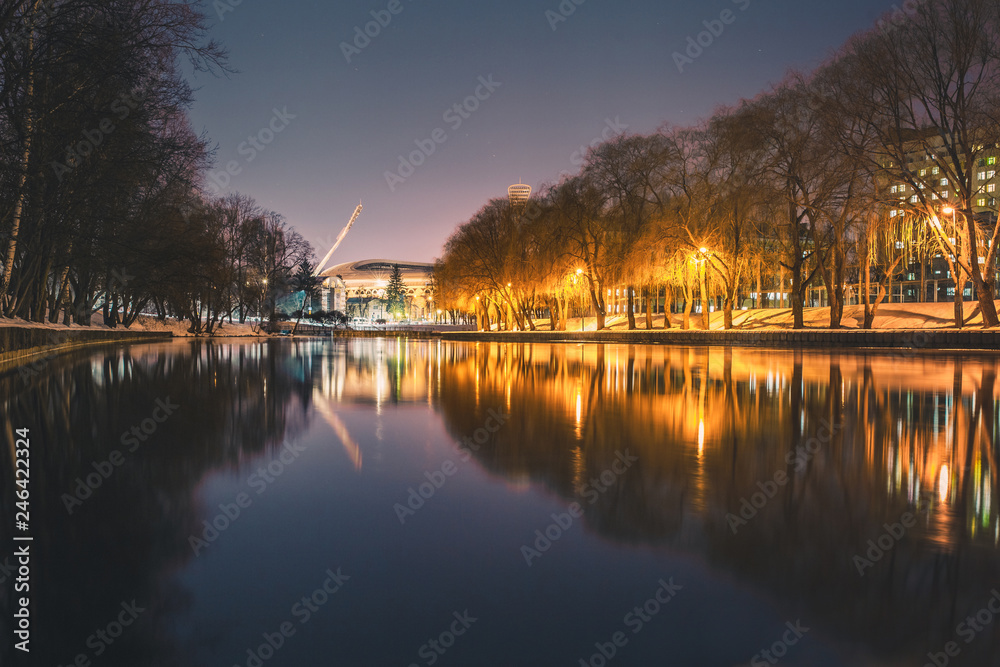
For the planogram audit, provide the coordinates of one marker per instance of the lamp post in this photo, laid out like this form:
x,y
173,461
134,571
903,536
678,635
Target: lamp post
x,y
703,252
263,300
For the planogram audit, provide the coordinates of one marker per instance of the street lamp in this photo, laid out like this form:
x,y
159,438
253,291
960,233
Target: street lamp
x,y
705,313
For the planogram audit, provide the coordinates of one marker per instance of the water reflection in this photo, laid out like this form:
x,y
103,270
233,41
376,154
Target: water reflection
x,y
126,538
709,426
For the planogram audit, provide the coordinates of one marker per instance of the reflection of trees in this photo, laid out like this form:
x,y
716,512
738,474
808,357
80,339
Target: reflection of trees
x,y
236,401
914,434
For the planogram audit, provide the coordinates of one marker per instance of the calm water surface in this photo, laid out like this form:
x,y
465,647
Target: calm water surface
x,y
376,502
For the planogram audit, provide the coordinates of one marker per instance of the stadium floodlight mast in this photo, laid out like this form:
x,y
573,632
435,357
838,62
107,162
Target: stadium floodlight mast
x,y
340,238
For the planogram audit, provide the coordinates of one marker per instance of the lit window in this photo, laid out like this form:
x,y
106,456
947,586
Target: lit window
x,y
895,189
992,187
923,172
944,181
981,201
991,160
944,195
892,213
990,174
934,196
936,170
914,199
981,175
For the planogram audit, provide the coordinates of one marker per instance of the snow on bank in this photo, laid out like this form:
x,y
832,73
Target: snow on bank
x,y
888,316
179,328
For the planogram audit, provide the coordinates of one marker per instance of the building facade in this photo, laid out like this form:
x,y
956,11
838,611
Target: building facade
x,y
357,288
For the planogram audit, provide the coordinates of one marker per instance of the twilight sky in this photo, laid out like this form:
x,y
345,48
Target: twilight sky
x,y
550,92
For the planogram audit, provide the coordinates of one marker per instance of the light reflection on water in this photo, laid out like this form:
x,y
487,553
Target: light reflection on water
x,y
710,427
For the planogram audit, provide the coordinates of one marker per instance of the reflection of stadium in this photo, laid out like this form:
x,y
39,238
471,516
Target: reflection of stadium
x,y
356,288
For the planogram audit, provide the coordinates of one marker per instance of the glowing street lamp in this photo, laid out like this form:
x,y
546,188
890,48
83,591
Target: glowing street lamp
x,y
702,264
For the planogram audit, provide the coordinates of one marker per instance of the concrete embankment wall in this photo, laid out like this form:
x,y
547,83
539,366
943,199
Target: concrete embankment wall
x,y
26,344
363,333
931,339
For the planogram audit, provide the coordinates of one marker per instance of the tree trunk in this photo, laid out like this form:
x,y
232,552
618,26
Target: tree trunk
x,y
705,310
923,277
598,308
484,318
630,305
797,296
984,290
29,131
866,267
760,301
781,287
649,307
959,298
688,297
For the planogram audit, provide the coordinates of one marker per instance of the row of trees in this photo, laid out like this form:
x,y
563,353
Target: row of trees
x,y
831,178
101,204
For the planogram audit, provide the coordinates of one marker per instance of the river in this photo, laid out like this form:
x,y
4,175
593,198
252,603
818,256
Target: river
x,y
387,502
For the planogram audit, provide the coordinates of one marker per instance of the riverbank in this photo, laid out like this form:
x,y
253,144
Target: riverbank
x,y
890,316
907,339
23,343
902,326
27,344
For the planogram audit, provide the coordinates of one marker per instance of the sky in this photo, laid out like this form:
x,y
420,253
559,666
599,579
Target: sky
x,y
322,116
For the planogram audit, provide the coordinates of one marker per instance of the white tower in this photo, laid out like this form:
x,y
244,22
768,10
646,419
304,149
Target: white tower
x,y
519,194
